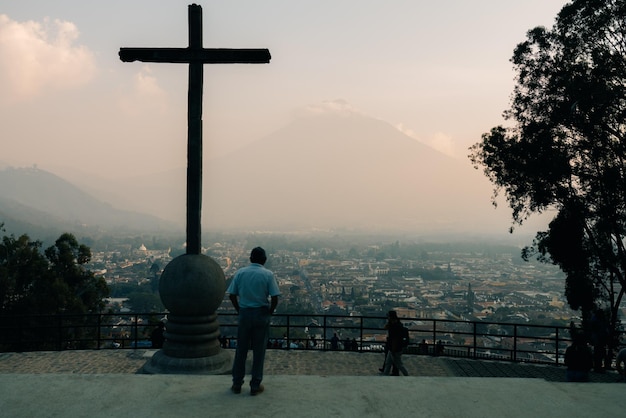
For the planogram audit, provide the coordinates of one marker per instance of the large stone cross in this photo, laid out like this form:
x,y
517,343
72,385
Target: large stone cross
x,y
196,56
192,285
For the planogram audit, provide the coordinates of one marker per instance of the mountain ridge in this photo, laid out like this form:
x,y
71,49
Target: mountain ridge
x,y
328,169
347,170
37,200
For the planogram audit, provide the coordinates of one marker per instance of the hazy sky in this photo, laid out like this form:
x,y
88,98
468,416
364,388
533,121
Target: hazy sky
x,y
438,70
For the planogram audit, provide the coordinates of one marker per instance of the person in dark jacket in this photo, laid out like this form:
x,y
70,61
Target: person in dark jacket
x,y
578,359
394,338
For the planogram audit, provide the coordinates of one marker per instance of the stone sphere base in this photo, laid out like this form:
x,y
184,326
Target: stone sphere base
x,y
192,287
161,363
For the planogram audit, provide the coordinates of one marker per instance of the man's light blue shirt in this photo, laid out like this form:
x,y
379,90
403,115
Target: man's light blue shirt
x,y
254,285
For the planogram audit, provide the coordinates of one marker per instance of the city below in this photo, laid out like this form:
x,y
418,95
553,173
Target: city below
x,y
463,281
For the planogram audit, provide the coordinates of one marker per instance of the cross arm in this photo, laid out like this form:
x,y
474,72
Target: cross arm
x,y
192,55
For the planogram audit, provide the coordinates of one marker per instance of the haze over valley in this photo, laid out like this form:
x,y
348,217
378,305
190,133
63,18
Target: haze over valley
x,y
331,168
360,122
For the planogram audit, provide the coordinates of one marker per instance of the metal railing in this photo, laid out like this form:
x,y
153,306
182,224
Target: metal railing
x,y
478,340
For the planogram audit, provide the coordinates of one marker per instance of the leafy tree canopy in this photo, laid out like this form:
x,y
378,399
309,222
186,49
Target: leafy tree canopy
x,y
565,149
49,282
145,302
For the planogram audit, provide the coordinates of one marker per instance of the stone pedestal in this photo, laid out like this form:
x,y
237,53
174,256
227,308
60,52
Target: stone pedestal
x,y
192,287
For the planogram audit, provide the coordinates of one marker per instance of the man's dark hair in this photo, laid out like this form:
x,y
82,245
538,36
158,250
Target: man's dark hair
x,y
258,255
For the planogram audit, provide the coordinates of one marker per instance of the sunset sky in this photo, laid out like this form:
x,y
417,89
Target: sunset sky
x,y
437,71
440,71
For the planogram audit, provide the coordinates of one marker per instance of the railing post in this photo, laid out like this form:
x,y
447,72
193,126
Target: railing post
x,y
556,346
60,333
20,340
99,331
324,337
287,343
515,342
360,346
136,329
475,339
434,344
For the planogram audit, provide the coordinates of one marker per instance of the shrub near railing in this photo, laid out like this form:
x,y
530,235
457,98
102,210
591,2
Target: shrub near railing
x,y
493,340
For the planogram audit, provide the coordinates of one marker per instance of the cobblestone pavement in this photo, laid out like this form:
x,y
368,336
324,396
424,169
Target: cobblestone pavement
x,y
287,362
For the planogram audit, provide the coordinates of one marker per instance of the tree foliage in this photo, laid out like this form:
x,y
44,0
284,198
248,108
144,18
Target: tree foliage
x,y
565,149
145,302
49,282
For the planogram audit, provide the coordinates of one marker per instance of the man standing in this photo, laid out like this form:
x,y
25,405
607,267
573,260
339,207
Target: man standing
x,y
254,294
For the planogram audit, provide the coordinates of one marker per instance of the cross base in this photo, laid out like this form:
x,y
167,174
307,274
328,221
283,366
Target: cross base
x,y
192,287
161,363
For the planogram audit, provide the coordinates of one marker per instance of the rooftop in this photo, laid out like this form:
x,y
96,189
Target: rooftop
x,y
107,383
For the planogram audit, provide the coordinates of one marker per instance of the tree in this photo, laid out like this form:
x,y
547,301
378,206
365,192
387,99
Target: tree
x,y
32,282
84,291
154,278
142,301
566,150
22,265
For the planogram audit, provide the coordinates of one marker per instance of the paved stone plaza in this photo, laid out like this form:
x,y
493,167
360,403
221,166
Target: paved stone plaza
x,y
108,383
288,362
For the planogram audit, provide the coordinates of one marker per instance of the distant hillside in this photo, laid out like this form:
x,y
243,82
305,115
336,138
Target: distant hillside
x,y
19,219
328,169
344,170
37,202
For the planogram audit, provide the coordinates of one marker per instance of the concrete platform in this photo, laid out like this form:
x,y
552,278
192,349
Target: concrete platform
x,y
138,396
59,388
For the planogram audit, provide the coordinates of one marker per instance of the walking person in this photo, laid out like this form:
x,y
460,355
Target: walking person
x,y
254,294
395,334
394,369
